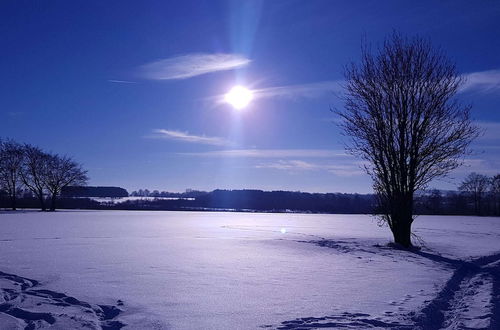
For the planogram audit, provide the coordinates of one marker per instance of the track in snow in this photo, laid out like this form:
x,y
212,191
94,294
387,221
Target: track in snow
x,y
470,299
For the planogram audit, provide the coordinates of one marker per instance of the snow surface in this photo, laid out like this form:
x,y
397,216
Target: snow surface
x,y
202,270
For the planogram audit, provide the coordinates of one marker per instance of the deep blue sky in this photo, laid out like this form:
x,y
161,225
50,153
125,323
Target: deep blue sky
x,y
117,85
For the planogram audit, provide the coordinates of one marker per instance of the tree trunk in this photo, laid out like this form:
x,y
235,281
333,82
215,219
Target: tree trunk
x,y
53,202
13,196
402,218
42,201
13,202
402,233
479,205
476,204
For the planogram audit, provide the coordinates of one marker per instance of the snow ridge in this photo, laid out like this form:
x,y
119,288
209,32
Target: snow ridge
x,y
25,306
344,320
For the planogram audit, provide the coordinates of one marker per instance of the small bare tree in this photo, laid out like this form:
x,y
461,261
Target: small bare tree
x,y
34,171
402,119
476,185
11,159
495,192
62,172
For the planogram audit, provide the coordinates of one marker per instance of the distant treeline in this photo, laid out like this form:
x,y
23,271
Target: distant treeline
x,y
437,202
477,195
430,202
426,203
228,200
189,193
286,201
88,191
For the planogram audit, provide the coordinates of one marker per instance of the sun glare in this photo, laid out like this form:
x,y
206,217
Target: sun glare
x,y
239,97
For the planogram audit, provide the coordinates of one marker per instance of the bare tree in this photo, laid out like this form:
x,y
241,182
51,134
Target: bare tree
x,y
402,119
476,185
62,172
34,171
11,159
495,192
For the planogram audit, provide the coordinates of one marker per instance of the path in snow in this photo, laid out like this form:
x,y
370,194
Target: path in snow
x,y
24,306
469,300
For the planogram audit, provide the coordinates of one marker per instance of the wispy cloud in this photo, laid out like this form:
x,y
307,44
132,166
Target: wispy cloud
x,y
483,81
311,90
487,166
272,153
351,169
294,160
490,130
121,81
186,137
191,65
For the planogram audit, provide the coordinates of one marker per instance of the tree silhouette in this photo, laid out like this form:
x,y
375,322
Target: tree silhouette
x,y
401,117
11,159
476,185
495,191
34,171
61,172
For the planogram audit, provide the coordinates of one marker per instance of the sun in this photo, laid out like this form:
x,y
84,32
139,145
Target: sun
x,y
239,97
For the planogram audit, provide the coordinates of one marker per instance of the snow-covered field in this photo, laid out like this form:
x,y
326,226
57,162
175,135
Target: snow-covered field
x,y
194,270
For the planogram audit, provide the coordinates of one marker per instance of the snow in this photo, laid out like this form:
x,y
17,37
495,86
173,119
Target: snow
x,y
469,304
117,200
208,270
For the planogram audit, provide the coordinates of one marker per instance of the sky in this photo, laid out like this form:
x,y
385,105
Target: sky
x,y
134,90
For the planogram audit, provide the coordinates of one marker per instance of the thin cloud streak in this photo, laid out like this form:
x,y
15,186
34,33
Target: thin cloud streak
x,y
300,165
312,90
484,166
191,65
121,81
271,153
483,81
186,137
